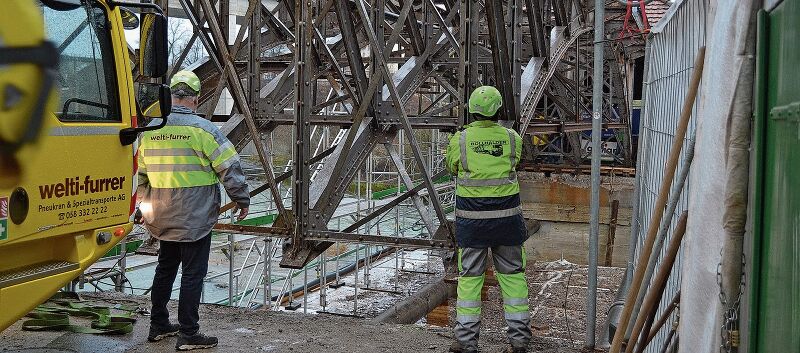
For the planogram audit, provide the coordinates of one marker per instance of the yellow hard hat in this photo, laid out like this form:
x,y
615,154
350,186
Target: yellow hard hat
x,y
485,100
186,77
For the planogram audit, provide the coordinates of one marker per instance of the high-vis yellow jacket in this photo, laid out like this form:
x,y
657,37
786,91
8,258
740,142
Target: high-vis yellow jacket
x,y
180,168
484,157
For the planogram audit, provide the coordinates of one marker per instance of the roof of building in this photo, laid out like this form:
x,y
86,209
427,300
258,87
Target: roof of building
x,y
656,10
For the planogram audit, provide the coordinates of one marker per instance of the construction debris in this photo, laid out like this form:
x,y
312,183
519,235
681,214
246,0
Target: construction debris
x,y
557,292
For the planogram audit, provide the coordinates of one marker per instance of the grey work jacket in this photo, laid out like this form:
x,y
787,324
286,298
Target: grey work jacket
x,y
187,214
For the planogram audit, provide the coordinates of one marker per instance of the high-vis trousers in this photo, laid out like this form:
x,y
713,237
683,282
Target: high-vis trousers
x,y
509,264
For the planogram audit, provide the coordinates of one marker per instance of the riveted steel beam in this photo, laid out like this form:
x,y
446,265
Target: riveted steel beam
x,y
373,69
495,19
425,171
537,28
236,89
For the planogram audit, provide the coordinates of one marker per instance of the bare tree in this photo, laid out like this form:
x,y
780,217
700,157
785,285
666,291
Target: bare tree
x,y
196,52
178,37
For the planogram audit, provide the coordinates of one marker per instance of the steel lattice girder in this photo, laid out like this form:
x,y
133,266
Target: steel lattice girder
x,y
531,49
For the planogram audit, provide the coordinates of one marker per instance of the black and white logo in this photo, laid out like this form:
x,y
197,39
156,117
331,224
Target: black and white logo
x,y
492,148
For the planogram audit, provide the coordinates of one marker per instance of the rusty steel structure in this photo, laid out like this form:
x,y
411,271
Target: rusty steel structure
x,y
375,72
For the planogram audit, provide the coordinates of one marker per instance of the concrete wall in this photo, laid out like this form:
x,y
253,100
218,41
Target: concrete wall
x,y
561,204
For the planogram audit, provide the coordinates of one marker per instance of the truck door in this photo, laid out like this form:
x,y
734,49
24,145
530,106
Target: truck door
x,y
79,177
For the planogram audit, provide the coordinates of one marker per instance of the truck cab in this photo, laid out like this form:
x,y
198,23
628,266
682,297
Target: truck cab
x,y
74,196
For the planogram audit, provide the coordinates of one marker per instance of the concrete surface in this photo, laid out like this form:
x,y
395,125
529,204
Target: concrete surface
x,y
240,330
561,204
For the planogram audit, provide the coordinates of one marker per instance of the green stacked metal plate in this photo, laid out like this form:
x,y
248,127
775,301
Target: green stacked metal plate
x,y
775,304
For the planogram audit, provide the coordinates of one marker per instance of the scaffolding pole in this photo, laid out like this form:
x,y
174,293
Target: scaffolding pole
x,y
597,122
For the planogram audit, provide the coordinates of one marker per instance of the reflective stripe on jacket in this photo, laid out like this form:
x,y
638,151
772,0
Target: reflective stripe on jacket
x,y
180,167
488,232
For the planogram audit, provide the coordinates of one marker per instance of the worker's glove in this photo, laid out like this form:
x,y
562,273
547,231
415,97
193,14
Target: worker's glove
x,y
240,213
138,218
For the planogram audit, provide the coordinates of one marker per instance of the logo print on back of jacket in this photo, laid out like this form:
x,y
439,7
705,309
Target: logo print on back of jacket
x,y
492,148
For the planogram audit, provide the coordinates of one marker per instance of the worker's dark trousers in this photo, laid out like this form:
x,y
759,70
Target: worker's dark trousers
x,y
193,258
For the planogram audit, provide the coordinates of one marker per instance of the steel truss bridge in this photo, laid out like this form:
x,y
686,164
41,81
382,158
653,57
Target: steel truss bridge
x,y
344,80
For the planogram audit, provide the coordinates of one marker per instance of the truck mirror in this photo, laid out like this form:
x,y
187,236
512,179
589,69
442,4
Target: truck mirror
x,y
129,19
154,101
153,45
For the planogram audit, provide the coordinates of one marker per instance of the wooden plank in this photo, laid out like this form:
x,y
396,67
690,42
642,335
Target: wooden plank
x,y
575,192
612,229
573,213
439,316
561,169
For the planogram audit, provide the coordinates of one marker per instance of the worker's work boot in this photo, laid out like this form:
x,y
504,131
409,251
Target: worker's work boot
x,y
457,347
196,341
158,333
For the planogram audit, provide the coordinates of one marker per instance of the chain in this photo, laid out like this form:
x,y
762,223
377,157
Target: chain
x,y
729,332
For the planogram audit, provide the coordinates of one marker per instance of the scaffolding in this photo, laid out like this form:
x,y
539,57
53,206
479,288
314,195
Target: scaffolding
x,y
253,261
362,96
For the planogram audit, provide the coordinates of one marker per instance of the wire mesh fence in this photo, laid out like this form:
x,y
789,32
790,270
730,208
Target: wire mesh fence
x,y
671,51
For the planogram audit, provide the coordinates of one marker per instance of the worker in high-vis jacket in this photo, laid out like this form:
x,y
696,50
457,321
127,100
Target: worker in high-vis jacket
x,y
483,157
180,168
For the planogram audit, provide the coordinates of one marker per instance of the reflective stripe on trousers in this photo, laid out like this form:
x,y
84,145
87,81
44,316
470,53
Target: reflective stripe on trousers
x,y
515,305
468,305
509,262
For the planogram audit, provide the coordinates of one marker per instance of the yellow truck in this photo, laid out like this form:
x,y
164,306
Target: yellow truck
x,y
68,129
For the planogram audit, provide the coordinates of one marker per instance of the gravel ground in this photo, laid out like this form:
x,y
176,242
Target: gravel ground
x,y
558,315
242,330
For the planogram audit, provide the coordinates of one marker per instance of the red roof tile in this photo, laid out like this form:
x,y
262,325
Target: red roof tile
x,y
656,11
